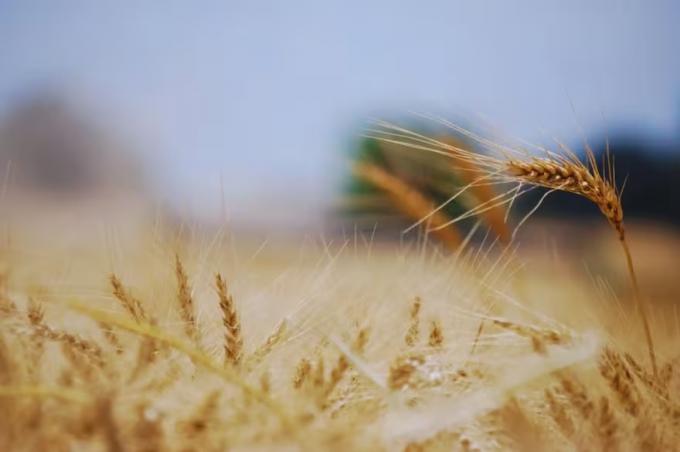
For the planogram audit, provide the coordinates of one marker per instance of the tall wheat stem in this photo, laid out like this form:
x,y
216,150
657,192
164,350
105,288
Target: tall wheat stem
x,y
638,301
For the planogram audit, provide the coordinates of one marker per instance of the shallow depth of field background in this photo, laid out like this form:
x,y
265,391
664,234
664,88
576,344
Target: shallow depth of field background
x,y
244,114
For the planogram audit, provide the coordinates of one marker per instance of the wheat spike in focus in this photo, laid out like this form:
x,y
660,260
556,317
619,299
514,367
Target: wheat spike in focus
x,y
555,171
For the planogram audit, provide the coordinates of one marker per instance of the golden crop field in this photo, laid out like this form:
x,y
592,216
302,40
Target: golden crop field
x,y
166,338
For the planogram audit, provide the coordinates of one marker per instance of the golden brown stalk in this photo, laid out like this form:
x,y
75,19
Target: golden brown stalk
x,y
586,181
555,172
186,301
409,201
131,304
233,339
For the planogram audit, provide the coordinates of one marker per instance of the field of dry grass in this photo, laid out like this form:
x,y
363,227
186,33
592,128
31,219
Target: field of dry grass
x,y
213,343
150,337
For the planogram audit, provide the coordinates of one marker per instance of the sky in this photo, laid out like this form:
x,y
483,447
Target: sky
x,y
261,98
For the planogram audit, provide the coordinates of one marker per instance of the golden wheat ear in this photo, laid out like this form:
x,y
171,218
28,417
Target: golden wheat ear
x,y
575,177
557,172
131,304
233,338
186,301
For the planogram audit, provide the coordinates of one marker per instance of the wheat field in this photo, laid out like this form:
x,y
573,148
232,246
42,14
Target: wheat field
x,y
206,342
181,338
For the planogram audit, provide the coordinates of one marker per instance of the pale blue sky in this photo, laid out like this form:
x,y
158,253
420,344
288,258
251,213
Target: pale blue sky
x,y
266,92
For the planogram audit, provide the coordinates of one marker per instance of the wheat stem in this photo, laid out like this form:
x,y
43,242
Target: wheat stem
x,y
638,301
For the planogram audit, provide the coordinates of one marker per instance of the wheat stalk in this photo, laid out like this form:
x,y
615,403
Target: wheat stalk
x,y
557,172
146,329
408,200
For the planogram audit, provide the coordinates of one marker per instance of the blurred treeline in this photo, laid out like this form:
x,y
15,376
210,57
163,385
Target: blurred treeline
x,y
50,148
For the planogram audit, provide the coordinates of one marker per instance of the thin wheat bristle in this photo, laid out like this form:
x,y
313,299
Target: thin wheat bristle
x,y
233,339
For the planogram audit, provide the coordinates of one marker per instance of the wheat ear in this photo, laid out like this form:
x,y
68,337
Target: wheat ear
x,y
575,177
554,171
233,339
131,304
146,329
186,301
